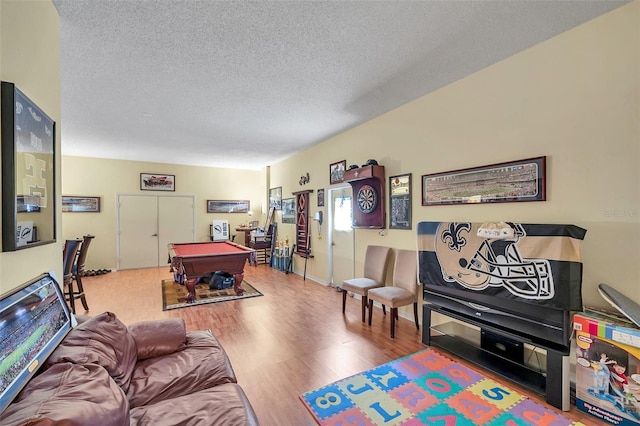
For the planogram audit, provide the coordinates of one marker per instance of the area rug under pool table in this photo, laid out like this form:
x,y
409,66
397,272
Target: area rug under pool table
x,y
174,295
425,388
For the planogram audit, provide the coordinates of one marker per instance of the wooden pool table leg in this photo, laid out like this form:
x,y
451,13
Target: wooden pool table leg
x,y
190,285
237,286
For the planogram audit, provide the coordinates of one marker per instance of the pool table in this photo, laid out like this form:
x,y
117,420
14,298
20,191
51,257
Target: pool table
x,y
192,260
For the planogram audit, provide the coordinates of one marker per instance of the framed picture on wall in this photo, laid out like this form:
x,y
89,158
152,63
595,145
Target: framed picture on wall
x,y
321,197
336,171
289,210
522,180
275,198
227,206
80,204
400,201
157,182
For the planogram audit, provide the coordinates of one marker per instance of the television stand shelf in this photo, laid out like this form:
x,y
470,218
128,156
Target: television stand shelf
x,y
550,379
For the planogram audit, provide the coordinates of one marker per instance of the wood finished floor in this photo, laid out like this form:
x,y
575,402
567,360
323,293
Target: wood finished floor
x,y
289,341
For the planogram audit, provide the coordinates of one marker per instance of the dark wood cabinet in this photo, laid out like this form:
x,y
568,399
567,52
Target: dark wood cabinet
x,y
303,237
368,196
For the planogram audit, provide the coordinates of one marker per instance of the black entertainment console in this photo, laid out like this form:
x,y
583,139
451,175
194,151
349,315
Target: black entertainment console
x,y
507,292
502,352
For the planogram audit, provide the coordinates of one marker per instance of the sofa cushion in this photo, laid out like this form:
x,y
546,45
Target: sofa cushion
x,y
101,340
69,394
225,404
157,338
202,364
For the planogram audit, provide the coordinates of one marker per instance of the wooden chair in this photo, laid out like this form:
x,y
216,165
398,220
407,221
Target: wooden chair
x,y
375,273
79,270
404,290
264,246
69,255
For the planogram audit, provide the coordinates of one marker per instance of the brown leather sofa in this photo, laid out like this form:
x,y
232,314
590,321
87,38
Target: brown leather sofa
x,y
150,373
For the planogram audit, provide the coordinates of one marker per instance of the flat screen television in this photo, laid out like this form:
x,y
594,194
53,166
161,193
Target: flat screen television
x,y
525,279
34,318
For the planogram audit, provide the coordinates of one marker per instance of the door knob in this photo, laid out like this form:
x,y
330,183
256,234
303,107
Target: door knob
x,y
154,235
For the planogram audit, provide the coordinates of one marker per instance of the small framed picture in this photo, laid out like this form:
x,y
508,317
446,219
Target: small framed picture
x,y
157,182
275,198
336,171
289,210
321,197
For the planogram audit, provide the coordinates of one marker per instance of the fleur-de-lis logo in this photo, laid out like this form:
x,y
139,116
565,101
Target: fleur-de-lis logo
x,y
452,236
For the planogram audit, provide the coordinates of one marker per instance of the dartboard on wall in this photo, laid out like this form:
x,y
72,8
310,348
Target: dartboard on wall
x,y
367,198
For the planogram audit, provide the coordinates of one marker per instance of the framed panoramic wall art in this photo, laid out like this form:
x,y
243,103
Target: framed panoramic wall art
x,y
80,204
522,180
227,206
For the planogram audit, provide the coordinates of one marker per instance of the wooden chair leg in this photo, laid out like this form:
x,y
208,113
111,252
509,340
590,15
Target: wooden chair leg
x,y
415,314
83,299
364,307
394,312
370,310
344,299
72,302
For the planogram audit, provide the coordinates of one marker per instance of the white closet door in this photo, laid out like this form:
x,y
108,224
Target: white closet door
x,y
175,222
146,223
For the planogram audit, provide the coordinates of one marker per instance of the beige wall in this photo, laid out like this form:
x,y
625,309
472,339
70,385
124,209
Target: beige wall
x,y
107,178
29,58
573,98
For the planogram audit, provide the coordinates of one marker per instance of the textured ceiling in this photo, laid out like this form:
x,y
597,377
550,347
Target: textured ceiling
x,y
246,84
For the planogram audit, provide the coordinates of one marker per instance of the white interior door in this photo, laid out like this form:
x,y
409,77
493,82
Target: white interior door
x,y
341,234
176,223
146,223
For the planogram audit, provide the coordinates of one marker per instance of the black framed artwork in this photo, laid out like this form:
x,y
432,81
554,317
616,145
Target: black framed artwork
x,y
321,197
28,172
336,171
400,201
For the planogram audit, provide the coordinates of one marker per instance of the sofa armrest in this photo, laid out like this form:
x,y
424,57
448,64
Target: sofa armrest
x,y
160,337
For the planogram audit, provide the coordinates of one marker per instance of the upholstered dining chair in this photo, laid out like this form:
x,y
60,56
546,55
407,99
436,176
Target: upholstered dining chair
x,y
69,254
375,273
79,270
404,290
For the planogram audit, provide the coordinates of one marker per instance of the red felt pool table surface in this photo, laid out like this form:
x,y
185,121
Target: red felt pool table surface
x,y
189,261
206,248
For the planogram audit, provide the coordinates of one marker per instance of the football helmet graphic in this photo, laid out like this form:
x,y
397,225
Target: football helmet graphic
x,y
477,263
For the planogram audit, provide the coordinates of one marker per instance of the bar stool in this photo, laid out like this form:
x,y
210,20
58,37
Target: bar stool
x,y
79,270
69,254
